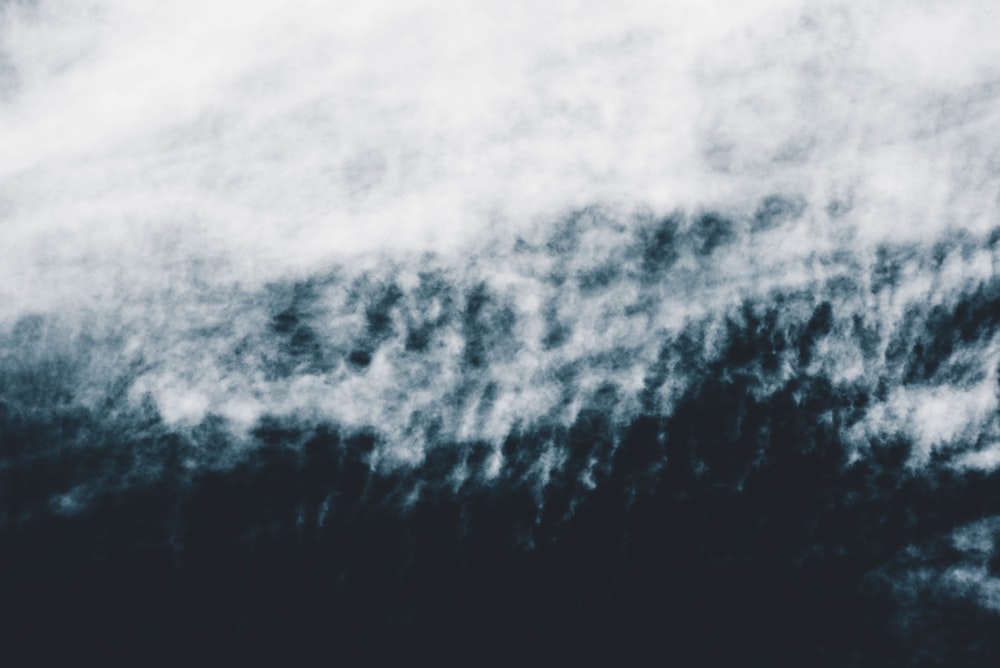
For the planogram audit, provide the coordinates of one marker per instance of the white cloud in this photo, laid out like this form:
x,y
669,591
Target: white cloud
x,y
161,162
984,459
270,136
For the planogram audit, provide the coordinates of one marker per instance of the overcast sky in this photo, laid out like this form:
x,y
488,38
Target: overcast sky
x,y
266,137
161,164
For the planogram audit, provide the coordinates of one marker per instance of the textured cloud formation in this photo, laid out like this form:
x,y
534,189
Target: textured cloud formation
x,y
160,173
260,140
497,264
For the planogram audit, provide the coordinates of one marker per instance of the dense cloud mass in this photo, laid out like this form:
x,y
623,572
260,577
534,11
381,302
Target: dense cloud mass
x,y
575,332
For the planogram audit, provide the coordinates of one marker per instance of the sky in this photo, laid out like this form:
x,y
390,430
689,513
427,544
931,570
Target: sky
x,y
448,223
163,167
266,139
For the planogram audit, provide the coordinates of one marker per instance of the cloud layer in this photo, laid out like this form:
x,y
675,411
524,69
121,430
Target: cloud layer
x,y
454,265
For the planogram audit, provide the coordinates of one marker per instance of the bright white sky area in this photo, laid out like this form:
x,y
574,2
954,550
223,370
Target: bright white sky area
x,y
259,137
154,155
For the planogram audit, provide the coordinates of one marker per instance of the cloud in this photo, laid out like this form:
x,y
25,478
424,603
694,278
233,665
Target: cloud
x,y
449,220
263,139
